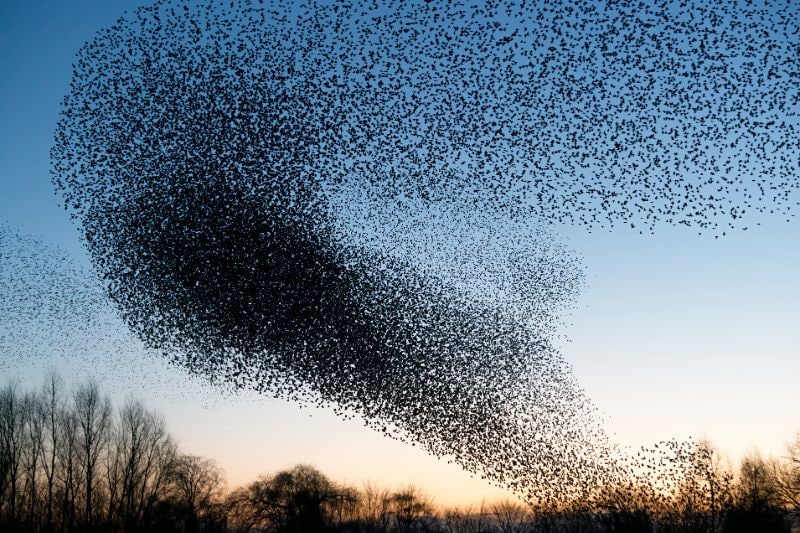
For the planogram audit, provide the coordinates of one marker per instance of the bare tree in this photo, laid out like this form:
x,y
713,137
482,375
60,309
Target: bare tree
x,y
256,506
32,453
295,500
410,507
510,516
342,506
5,466
197,486
114,474
757,489
466,520
68,472
70,464
758,506
12,433
705,490
51,411
307,497
374,508
93,414
786,477
142,457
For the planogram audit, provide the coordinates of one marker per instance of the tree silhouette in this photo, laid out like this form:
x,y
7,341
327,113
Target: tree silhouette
x,y
198,485
69,462
410,507
293,501
93,414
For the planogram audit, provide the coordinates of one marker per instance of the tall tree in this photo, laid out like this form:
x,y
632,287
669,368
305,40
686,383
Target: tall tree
x,y
757,491
145,454
12,434
296,500
786,476
51,411
68,472
374,508
32,453
510,516
409,507
93,414
197,485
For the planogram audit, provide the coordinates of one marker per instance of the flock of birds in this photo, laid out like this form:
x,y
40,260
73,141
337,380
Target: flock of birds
x,y
42,292
54,315
353,204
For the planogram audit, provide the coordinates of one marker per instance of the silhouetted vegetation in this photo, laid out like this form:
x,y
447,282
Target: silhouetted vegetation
x,y
71,462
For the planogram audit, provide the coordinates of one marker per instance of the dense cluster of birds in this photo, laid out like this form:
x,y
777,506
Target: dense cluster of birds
x,y
348,203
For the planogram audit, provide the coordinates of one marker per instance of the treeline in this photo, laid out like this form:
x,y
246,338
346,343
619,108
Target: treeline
x,y
71,462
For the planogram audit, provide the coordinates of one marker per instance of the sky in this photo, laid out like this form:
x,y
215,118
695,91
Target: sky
x,y
675,334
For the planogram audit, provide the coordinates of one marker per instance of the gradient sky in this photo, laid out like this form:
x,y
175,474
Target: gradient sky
x,y
675,334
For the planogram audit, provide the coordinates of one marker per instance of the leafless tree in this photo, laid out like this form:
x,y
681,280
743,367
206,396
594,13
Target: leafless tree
x,y
197,486
142,457
51,411
705,489
32,453
410,507
510,516
785,474
68,472
466,520
93,414
295,500
757,490
374,508
12,433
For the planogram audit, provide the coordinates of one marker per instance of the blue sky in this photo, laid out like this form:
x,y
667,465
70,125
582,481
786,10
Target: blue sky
x,y
676,334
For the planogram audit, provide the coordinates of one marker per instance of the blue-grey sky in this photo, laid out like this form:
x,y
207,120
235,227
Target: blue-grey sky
x,y
675,334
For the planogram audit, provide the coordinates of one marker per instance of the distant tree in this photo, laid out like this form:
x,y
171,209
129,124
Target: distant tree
x,y
93,414
5,461
68,473
343,507
511,516
466,520
410,507
786,477
51,408
374,508
705,492
12,440
69,463
757,490
623,508
757,506
142,458
31,454
294,501
197,488
304,493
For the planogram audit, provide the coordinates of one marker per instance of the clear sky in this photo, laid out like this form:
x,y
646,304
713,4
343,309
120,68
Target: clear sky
x,y
676,334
